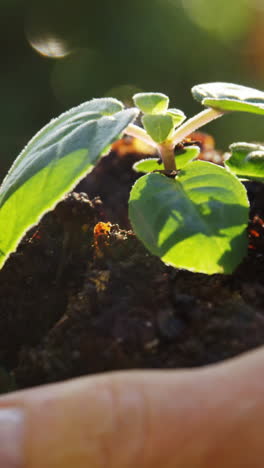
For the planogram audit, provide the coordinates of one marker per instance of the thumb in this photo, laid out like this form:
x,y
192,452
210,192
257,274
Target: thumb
x,y
190,419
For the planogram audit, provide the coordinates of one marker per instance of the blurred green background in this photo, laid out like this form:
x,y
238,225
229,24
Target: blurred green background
x,y
57,53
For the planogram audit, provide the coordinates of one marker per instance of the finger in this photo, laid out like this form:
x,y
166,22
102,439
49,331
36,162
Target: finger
x,y
191,419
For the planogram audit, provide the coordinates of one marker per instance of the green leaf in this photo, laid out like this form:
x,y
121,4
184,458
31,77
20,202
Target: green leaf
x,y
53,162
182,158
177,115
230,97
151,103
159,127
148,165
196,221
247,161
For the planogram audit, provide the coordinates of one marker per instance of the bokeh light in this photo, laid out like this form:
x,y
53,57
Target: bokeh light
x,y
49,46
223,18
45,33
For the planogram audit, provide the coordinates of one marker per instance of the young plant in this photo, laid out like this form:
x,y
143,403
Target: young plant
x,y
192,214
246,161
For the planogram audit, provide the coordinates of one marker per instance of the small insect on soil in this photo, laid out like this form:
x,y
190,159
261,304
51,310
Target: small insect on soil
x,y
101,236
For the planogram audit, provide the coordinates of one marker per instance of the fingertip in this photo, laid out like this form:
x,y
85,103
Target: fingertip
x,y
97,422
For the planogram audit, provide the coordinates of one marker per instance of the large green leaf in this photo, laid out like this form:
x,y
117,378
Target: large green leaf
x,y
230,97
182,158
196,221
53,162
247,161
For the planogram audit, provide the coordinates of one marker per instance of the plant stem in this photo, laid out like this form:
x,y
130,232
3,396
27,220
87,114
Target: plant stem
x,y
166,151
138,132
194,123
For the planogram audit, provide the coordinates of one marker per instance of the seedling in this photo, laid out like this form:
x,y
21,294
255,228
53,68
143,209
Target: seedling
x,y
192,214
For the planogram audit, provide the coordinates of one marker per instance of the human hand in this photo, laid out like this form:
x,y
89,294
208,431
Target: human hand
x,y
204,418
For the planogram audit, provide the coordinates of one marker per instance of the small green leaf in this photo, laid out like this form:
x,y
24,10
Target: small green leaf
x,y
247,161
148,165
177,115
182,158
159,126
151,103
62,153
196,221
230,97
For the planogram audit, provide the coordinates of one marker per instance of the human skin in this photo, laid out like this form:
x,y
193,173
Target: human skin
x,y
211,417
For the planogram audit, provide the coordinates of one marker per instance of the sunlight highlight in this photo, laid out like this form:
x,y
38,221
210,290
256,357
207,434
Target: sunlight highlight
x,y
50,46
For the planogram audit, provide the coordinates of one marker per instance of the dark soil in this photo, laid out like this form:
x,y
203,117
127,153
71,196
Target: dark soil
x,y
80,297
